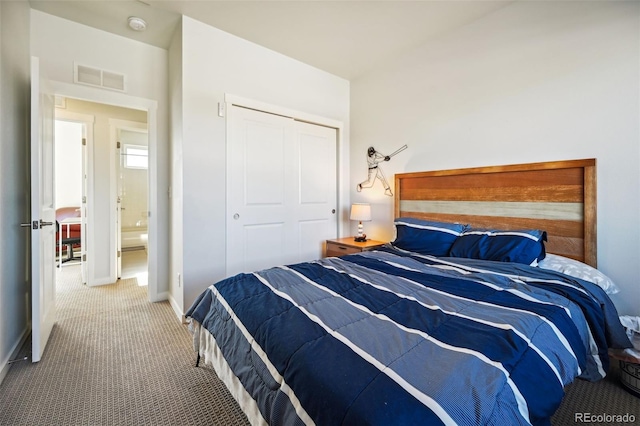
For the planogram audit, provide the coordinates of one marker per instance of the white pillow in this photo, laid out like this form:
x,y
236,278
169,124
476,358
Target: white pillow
x,y
580,270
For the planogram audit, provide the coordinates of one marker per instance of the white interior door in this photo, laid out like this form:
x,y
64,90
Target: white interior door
x,y
316,192
281,190
119,168
42,213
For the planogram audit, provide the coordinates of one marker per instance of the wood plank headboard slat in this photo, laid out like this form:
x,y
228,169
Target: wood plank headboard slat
x,y
557,193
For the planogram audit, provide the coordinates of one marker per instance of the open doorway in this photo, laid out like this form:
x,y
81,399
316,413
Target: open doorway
x,y
132,141
70,191
100,182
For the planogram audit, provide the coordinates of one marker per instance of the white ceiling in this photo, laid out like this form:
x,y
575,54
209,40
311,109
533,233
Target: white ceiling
x,y
345,38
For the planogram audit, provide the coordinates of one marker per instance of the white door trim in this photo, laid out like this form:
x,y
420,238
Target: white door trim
x,y
342,177
285,112
151,106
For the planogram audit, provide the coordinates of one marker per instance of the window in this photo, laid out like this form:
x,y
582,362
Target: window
x,y
136,157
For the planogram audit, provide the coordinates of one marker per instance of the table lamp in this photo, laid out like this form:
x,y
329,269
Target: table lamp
x,y
362,213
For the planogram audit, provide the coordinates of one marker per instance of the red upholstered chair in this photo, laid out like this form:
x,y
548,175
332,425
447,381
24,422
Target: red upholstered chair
x,y
70,232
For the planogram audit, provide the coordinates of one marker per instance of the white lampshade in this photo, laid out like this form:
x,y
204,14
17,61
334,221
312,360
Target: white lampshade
x,y
360,212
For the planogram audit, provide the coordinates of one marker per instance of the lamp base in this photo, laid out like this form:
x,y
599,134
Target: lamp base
x,y
360,239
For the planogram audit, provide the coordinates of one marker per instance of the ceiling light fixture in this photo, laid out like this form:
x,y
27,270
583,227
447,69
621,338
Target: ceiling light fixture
x,y
137,24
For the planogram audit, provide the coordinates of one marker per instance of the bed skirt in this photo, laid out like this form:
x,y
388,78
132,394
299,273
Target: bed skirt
x,y
205,345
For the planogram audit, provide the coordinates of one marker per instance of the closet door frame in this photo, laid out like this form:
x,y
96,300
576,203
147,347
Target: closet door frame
x,y
342,175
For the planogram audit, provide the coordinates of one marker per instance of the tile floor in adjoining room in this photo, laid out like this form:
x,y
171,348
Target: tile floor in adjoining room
x,y
134,265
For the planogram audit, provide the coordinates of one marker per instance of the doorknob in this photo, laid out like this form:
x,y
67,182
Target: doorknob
x,y
35,224
333,211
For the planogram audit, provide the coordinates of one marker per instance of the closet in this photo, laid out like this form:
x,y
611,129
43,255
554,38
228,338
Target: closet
x,y
282,190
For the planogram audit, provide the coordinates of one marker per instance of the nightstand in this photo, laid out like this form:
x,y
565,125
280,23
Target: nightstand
x,y
342,246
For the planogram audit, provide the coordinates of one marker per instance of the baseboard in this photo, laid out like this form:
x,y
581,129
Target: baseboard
x,y
177,310
13,354
161,297
133,248
103,281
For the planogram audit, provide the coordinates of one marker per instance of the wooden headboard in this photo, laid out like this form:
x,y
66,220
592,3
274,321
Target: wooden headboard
x,y
558,197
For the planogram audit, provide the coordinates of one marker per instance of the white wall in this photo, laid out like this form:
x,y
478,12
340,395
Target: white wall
x,y
535,81
59,43
68,164
15,285
176,293
215,63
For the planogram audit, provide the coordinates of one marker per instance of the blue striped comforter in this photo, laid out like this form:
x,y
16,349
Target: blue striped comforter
x,y
390,337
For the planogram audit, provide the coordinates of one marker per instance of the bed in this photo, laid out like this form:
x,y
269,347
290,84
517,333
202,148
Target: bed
x,y
434,328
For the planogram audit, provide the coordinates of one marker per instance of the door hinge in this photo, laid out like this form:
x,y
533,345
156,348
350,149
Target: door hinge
x,y
84,141
118,145
118,253
84,257
84,199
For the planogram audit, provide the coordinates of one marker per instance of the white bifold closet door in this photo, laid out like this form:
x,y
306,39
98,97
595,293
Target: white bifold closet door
x,y
282,200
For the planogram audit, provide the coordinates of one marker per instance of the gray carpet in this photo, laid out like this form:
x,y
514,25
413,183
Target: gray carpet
x,y
116,359
606,397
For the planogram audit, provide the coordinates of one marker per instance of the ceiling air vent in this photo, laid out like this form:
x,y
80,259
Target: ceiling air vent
x,y
99,78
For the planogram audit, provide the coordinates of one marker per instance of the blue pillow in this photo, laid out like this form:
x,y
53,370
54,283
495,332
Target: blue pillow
x,y
522,246
426,237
